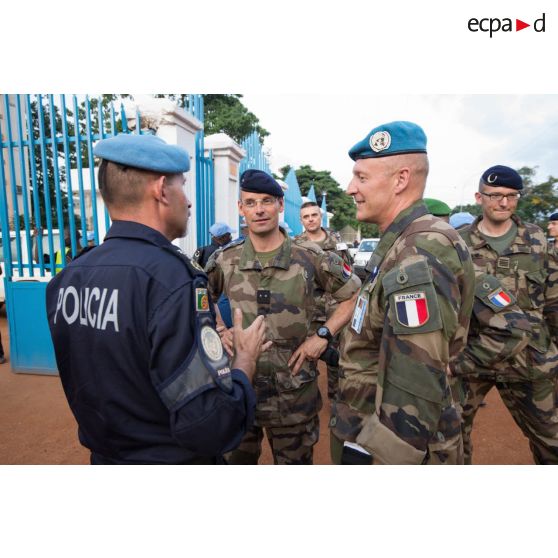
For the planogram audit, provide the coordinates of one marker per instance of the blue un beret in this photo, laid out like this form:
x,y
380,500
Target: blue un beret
x,y
554,217
500,175
259,182
219,229
146,152
460,219
393,138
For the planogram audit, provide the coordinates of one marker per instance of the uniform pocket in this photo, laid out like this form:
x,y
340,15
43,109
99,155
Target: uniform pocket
x,y
535,288
386,447
412,401
287,381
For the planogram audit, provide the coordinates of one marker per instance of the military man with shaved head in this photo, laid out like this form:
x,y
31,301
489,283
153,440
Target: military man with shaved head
x,y
395,402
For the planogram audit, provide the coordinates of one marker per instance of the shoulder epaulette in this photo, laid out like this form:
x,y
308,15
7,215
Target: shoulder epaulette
x,y
236,242
308,245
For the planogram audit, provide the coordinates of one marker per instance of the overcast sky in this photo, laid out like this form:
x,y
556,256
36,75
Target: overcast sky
x,y
466,133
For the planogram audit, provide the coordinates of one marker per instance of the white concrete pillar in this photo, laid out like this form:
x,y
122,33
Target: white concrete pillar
x,y
176,126
227,155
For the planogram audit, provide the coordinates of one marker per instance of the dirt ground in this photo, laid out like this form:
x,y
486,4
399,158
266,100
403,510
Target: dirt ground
x,y
37,427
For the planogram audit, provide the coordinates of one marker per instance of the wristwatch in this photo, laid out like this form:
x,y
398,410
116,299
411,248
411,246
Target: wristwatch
x,y
324,333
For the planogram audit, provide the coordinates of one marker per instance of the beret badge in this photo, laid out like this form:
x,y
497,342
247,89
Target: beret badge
x,y
380,141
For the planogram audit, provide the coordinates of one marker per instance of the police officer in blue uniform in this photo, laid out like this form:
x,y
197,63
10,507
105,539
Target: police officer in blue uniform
x,y
133,328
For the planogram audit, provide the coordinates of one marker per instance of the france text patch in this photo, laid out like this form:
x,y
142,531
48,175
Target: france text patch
x,y
411,309
500,298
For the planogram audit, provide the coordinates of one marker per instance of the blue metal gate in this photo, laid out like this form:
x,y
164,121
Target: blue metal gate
x,y
47,184
293,201
205,178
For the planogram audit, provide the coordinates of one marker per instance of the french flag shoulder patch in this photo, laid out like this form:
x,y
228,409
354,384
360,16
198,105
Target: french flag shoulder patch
x,y
411,309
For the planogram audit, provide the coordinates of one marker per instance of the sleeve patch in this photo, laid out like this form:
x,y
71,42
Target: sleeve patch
x,y
411,309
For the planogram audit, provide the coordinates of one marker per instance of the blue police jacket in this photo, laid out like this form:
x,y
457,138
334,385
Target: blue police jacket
x,y
139,358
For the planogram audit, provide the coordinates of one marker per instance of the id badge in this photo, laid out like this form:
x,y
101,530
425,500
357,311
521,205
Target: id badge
x,y
359,313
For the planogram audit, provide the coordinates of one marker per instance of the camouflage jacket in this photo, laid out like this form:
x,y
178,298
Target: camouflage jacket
x,y
283,290
415,306
325,304
551,308
499,331
530,274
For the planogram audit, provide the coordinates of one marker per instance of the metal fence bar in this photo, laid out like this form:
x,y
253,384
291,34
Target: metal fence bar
x,y
6,244
68,168
15,208
91,161
123,118
112,120
57,189
24,188
36,196
79,169
46,189
101,120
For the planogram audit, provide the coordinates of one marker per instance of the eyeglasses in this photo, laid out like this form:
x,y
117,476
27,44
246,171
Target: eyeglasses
x,y
500,197
266,202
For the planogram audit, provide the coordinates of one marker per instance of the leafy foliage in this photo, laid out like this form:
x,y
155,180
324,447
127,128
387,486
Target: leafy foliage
x,y
224,114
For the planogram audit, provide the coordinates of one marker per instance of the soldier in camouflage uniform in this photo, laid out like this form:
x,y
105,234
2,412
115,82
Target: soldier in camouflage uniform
x,y
553,233
550,314
516,254
328,241
268,273
395,402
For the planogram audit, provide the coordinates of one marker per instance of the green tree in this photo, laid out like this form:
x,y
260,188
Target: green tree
x,y
471,208
537,200
49,117
224,113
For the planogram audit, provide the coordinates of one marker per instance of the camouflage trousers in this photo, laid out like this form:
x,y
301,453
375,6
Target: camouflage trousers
x,y
290,445
532,405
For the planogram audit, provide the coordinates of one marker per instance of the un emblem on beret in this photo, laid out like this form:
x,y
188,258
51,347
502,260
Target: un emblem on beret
x,y
380,141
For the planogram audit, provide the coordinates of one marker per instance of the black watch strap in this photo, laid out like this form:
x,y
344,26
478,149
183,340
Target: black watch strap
x,y
324,333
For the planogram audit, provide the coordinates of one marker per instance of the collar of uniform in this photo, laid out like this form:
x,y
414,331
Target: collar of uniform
x,y
329,241
248,259
400,223
478,241
131,229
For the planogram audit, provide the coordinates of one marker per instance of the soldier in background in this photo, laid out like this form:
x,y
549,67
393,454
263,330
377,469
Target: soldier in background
x,y
328,241
461,219
221,235
395,402
269,274
438,208
550,315
553,232
516,255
